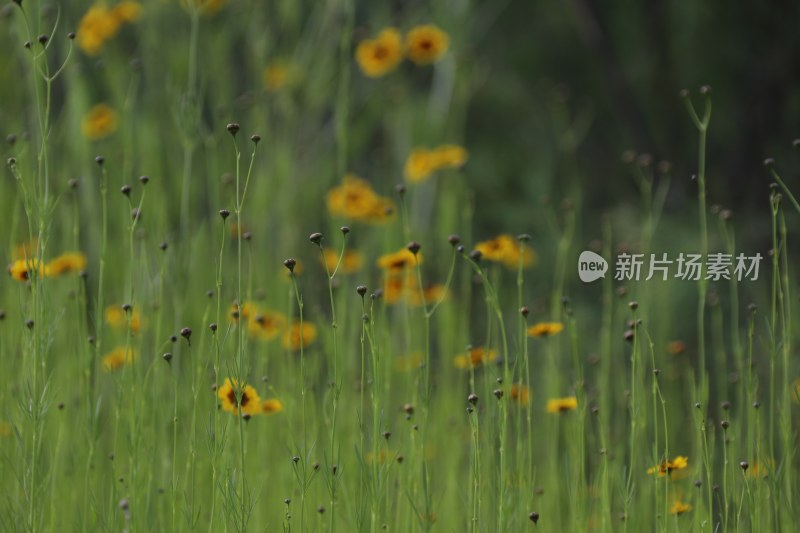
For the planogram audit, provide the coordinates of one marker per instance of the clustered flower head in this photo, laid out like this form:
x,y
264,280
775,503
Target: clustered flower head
x,y
233,399
118,357
666,467
380,55
560,405
101,23
119,318
545,329
474,358
22,268
356,200
506,250
422,162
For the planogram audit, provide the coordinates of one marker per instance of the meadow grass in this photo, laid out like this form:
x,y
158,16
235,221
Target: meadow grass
x,y
209,324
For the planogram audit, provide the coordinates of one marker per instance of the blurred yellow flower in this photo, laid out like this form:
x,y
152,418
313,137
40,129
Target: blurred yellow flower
x,y
127,11
676,347
399,260
431,293
679,508
426,44
761,468
351,261
474,358
101,121
26,250
5,429
506,249
249,401
666,467
356,200
520,394
248,310
404,363
277,75
379,56
21,269
545,329
294,337
116,317
422,162
271,406
266,325
559,405
64,264
118,357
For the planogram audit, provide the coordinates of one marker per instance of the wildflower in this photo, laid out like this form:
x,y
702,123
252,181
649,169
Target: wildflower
x,y
404,363
266,325
474,358
101,121
545,329
450,156
271,406
276,76
506,249
679,508
379,56
351,261
249,401
118,357
420,164
248,310
426,44
761,468
21,269
294,337
116,318
520,394
399,261
431,294
676,347
559,405
356,200
666,467
97,26
65,263
127,11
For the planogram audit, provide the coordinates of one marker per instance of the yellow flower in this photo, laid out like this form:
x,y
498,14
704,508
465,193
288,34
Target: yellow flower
x,y
21,269
118,357
474,358
520,394
248,310
26,250
762,469
266,324
506,249
249,402
394,288
356,200
666,467
97,26
351,261
101,121
421,163
559,405
276,76
116,318
431,293
450,156
426,44
271,406
679,508
545,329
127,11
293,338
399,261
404,363
64,264
380,55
